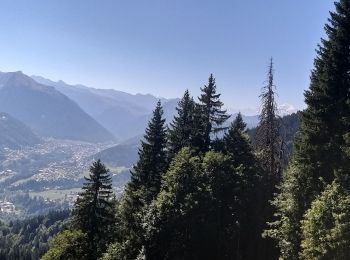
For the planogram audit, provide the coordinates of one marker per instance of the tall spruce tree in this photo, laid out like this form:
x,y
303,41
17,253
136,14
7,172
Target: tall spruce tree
x,y
152,161
237,144
93,211
143,187
181,132
198,139
213,116
320,148
248,190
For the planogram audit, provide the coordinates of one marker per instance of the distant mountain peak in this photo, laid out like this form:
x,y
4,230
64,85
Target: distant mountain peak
x,y
16,77
46,110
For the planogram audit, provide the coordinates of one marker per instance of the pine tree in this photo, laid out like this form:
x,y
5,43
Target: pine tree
x,y
213,117
321,145
181,132
93,211
143,186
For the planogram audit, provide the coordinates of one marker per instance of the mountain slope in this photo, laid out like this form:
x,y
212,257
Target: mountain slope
x,y
96,101
46,110
120,155
14,134
123,114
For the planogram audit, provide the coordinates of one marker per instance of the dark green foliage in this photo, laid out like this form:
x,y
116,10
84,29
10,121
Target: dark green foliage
x,y
326,119
225,210
144,185
93,211
181,132
237,143
28,239
321,145
248,188
68,245
152,157
199,130
213,117
199,213
175,211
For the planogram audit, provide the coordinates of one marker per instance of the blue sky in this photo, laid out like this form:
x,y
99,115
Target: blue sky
x,y
163,47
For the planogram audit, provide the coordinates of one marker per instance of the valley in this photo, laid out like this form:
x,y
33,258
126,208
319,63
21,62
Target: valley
x,y
51,171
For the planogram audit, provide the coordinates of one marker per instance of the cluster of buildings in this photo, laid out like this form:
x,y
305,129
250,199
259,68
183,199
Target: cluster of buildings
x,y
7,207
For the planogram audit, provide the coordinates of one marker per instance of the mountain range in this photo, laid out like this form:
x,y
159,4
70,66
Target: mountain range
x,y
47,111
124,115
76,112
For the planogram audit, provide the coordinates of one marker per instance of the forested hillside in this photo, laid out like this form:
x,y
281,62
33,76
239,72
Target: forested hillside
x,y
28,239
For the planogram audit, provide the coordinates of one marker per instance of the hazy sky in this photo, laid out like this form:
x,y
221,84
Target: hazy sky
x,y
163,47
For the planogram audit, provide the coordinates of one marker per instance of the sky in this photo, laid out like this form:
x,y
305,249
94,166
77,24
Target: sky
x,y
164,47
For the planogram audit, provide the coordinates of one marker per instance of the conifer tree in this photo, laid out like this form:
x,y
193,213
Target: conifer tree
x,y
268,143
321,145
195,214
170,220
237,144
152,161
268,148
181,131
213,117
93,211
198,139
248,189
143,186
